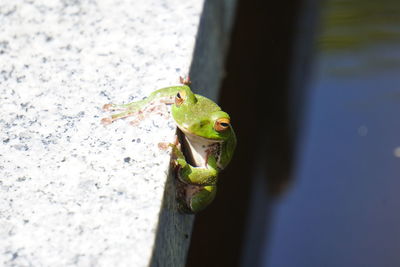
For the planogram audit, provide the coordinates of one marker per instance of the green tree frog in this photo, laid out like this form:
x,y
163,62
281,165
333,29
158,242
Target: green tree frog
x,y
205,140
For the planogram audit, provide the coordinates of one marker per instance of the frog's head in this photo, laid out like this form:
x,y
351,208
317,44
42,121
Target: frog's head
x,y
199,116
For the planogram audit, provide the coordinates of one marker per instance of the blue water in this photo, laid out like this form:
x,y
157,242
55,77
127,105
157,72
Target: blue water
x,y
343,208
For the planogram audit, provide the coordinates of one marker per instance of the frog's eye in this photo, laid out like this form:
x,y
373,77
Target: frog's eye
x,y
180,97
222,124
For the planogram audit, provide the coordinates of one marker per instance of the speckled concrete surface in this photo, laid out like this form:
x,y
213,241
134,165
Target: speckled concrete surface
x,y
73,192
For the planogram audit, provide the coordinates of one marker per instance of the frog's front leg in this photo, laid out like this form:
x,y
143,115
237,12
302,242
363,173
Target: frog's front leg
x,y
195,175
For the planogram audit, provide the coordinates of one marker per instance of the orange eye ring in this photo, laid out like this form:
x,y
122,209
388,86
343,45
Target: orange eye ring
x,y
180,98
222,124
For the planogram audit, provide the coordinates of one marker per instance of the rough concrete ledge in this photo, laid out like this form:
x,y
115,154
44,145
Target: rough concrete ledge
x,y
73,192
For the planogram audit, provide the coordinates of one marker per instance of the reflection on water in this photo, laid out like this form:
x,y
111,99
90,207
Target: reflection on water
x,y
364,34
343,209
348,25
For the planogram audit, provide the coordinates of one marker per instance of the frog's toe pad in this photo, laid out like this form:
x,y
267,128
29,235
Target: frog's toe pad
x,y
106,121
185,80
107,107
163,145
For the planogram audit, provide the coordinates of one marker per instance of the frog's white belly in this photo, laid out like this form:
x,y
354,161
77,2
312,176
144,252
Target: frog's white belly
x,y
198,151
200,148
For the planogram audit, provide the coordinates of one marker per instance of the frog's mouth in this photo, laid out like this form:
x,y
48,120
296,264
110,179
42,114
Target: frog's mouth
x,y
197,138
196,148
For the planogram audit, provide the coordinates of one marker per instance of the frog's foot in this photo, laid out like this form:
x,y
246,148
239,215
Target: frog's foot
x,y
163,145
166,145
185,80
194,198
106,121
107,107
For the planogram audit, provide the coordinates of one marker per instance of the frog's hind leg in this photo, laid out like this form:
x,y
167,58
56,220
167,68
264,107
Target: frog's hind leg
x,y
128,110
125,114
139,109
195,198
123,107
